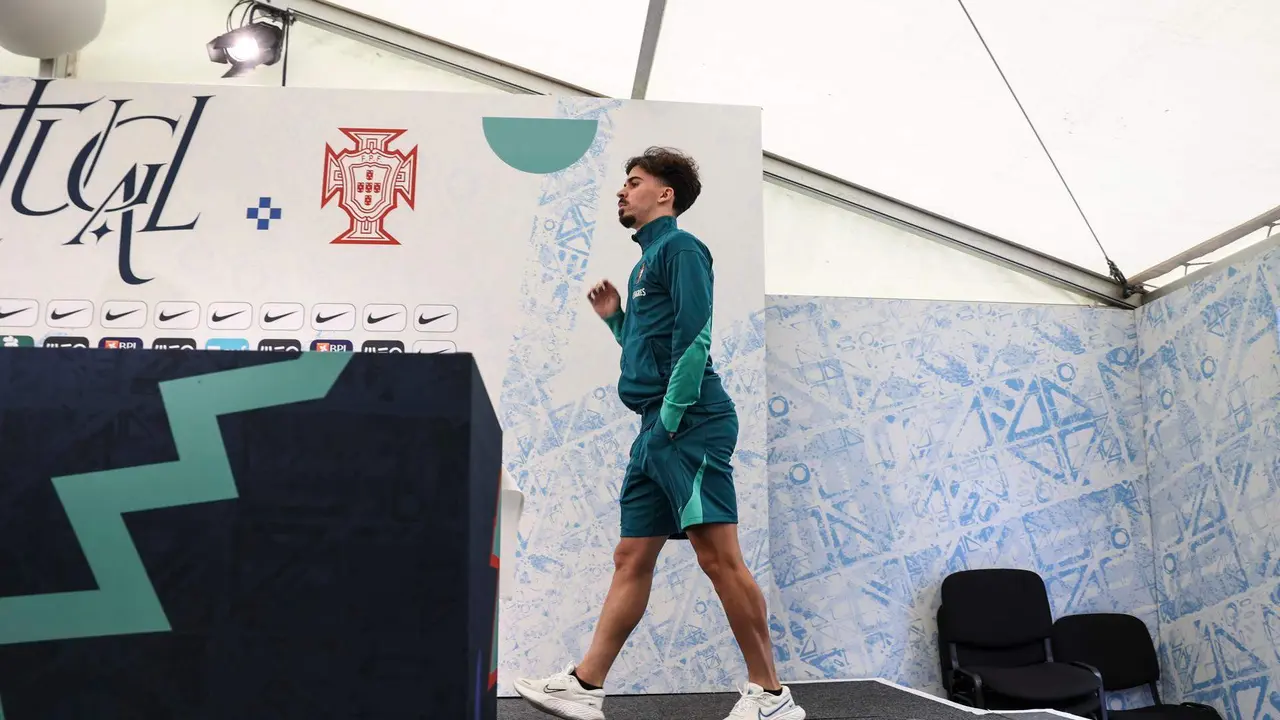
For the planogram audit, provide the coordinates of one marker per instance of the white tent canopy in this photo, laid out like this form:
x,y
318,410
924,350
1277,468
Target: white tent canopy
x,y
1156,111
1160,114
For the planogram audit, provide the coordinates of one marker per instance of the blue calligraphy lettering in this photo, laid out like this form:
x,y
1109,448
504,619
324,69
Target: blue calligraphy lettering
x,y
136,190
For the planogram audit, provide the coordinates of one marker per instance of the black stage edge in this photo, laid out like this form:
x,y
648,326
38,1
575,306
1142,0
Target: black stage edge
x,y
319,544
854,700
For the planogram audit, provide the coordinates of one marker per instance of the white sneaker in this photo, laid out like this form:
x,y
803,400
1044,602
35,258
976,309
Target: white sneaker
x,y
562,696
756,704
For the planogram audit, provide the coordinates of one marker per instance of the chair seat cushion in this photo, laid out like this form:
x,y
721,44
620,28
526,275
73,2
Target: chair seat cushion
x,y
1166,712
1046,683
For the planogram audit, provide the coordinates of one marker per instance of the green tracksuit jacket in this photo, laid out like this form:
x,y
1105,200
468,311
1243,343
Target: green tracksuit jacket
x,y
665,329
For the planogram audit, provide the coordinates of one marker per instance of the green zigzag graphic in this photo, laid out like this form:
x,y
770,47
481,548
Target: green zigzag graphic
x,y
125,601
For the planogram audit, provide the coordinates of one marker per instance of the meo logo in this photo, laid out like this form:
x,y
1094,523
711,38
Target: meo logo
x,y
382,346
282,345
173,344
66,341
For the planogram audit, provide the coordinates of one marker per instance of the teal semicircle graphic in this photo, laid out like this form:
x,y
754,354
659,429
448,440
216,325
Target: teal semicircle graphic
x,y
539,145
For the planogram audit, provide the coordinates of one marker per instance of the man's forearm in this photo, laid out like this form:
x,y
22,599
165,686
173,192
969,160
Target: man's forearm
x,y
691,294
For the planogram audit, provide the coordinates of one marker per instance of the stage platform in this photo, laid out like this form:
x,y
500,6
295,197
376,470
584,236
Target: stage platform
x,y
845,700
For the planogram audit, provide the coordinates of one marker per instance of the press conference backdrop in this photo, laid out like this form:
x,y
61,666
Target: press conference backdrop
x,y
138,216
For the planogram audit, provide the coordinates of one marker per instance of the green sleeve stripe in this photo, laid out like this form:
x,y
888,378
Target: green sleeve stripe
x,y
686,379
614,322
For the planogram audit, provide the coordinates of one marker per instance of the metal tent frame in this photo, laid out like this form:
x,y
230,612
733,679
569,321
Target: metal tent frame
x,y
468,63
780,171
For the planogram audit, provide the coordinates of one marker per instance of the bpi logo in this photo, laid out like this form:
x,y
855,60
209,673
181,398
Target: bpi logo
x,y
331,345
370,179
121,343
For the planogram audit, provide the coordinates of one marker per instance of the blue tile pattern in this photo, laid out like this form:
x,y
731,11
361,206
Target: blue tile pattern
x,y
912,439
1210,368
1131,459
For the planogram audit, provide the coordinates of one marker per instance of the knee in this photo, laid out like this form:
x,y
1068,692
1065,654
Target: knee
x,y
719,565
631,560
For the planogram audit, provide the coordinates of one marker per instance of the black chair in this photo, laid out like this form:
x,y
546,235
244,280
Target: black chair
x,y
1120,647
994,630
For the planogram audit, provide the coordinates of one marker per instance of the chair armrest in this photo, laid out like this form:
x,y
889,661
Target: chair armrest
x,y
1202,706
1102,692
1090,668
975,682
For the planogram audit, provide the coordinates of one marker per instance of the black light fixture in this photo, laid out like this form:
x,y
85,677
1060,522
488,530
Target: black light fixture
x,y
255,42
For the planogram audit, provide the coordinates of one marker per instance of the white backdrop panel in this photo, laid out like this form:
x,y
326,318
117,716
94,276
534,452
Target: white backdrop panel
x,y
195,214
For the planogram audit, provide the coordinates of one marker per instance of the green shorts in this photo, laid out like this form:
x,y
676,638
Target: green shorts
x,y
675,483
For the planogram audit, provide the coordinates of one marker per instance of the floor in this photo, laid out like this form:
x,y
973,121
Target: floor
x,y
863,700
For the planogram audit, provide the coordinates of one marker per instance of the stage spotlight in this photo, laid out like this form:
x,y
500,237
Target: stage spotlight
x,y
254,43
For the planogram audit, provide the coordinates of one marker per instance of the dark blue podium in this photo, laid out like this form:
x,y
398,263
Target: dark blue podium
x,y
241,535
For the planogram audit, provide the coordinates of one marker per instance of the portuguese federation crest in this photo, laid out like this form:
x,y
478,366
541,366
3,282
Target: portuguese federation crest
x,y
369,180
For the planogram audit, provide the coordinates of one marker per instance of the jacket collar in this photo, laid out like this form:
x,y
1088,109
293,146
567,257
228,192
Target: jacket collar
x,y
649,234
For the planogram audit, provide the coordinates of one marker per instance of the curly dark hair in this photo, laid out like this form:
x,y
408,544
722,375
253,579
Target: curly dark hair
x,y
675,169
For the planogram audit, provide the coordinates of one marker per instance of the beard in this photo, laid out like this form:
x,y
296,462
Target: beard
x,y
628,221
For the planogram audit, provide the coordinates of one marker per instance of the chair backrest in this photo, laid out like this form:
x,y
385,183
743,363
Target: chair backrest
x,y
1118,645
998,617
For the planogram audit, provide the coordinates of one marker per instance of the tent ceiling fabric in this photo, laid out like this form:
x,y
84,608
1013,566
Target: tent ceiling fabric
x,y
589,43
17,65
1159,113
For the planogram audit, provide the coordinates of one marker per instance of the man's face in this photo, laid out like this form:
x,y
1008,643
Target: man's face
x,y
642,198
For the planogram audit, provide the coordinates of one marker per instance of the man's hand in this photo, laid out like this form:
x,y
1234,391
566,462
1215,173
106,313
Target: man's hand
x,y
605,299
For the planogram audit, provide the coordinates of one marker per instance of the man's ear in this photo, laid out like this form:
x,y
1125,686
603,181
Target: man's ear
x,y
668,194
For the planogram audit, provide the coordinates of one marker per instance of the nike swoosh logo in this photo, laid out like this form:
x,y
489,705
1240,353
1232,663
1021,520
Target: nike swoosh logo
x,y
322,319
273,318
11,313
112,317
765,715
219,318
425,321
55,315
165,317
374,321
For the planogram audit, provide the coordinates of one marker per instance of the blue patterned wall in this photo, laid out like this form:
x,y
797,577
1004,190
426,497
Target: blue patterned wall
x,y
1134,465
1211,379
908,440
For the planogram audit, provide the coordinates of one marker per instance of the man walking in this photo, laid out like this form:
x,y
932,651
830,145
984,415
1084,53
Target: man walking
x,y
679,482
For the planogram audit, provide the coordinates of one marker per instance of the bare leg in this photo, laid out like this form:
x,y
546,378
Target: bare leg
x,y
721,559
633,563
